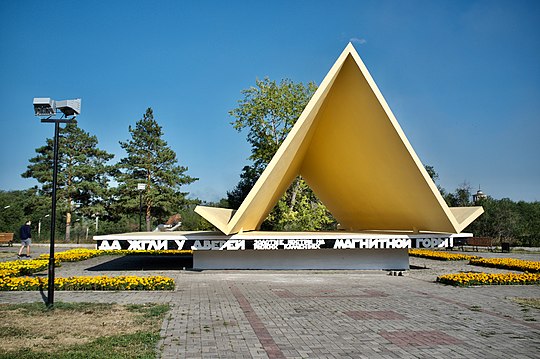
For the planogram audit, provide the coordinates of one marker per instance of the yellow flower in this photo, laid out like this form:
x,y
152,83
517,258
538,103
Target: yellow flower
x,y
489,278
440,255
90,283
507,263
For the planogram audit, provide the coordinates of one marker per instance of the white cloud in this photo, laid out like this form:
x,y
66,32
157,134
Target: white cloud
x,y
358,40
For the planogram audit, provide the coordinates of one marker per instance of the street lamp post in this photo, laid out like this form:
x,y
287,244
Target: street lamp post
x,y
96,215
39,226
46,107
140,187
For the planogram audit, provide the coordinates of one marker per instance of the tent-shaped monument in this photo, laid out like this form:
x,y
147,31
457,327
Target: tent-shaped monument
x,y
350,149
352,152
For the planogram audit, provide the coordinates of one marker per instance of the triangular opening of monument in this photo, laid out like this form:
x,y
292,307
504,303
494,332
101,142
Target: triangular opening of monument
x,y
299,209
352,152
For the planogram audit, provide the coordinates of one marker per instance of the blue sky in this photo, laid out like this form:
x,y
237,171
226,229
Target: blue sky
x,y
462,77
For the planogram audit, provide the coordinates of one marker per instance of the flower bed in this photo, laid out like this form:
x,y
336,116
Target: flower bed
x,y
439,255
18,267
11,271
75,255
468,279
8,273
88,283
507,263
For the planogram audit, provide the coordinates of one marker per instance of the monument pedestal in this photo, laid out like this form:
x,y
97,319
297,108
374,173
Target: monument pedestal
x,y
385,259
286,250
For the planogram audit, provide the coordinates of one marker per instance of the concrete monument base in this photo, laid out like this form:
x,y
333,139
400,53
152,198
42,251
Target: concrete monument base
x,y
391,259
285,250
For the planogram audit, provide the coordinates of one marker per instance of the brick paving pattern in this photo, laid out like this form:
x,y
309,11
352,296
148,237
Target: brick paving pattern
x,y
375,314
426,338
327,314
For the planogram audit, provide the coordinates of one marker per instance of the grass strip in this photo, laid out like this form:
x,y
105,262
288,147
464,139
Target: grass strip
x,y
141,324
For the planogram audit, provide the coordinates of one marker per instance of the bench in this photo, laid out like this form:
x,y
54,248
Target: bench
x,y
458,242
6,238
476,242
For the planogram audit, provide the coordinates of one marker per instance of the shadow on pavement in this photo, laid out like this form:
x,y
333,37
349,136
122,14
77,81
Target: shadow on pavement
x,y
141,262
417,267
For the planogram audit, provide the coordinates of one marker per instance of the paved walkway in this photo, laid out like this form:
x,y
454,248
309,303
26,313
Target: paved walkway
x,y
325,314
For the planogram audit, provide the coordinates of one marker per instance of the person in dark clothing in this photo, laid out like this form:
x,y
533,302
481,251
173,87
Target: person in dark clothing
x,y
26,239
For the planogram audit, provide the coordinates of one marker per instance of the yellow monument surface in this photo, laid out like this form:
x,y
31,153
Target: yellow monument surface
x,y
352,152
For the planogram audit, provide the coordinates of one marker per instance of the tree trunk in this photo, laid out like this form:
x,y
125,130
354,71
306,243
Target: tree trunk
x,y
148,218
68,226
68,214
296,188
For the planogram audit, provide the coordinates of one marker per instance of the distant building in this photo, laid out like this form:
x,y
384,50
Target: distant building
x,y
478,196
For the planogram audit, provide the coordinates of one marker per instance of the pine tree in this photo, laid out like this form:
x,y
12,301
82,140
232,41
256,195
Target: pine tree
x,y
151,162
83,172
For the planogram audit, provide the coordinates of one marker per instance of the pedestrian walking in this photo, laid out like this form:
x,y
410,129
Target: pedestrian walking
x,y
26,239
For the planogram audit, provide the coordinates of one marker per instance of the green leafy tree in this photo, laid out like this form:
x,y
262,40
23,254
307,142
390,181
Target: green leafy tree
x,y
435,176
461,197
268,112
248,177
503,219
499,220
83,173
299,210
431,172
15,209
151,162
191,221
528,214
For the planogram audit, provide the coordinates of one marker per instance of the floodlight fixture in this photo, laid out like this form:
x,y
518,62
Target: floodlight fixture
x,y
44,106
69,107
